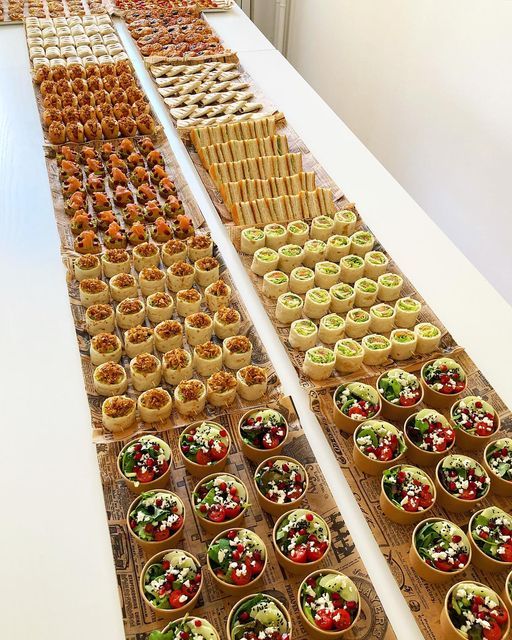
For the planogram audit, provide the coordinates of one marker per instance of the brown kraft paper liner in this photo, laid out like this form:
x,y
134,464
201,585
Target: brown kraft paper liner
x,y
424,599
129,559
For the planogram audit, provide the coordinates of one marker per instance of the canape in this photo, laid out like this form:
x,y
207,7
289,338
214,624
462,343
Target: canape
x,y
407,494
290,256
144,464
281,484
375,264
329,604
318,363
429,437
188,301
378,445
461,483
382,317
198,328
376,348
93,291
475,420
298,232
199,246
190,397
237,559
345,222
146,255
366,292
226,322
236,352
217,295
105,347
338,246
357,323
156,520
403,344
99,318
443,382
263,432
154,405
204,448
170,583
252,382
352,268
321,228
259,614
130,313
301,280
301,540
400,393
349,355
289,308
428,337
331,328
354,403
174,251
497,461
459,621
206,271
389,286
207,358
168,335
177,366
110,379
86,267
407,311
118,413
316,303
189,624
221,389
159,307
122,286
252,239
315,250
439,550
220,500
303,334
145,371
361,242
275,235
264,260
115,261
151,280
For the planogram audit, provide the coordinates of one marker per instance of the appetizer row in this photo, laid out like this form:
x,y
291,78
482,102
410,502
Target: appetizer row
x,y
200,5
17,10
125,184
93,102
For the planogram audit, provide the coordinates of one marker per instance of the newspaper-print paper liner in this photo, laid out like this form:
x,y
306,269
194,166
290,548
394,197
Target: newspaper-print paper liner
x,y
424,599
214,605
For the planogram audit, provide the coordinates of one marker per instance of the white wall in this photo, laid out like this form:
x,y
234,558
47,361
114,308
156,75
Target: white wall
x,y
426,85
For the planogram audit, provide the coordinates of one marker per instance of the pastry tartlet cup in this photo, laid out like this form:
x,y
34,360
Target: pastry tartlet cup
x,y
400,516
505,594
201,470
448,630
218,527
274,508
425,571
169,614
344,422
298,568
499,486
151,548
141,487
471,442
259,455
235,608
395,411
434,399
314,632
480,559
451,503
234,589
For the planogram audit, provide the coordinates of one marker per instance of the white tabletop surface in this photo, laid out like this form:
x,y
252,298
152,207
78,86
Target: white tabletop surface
x,y
57,568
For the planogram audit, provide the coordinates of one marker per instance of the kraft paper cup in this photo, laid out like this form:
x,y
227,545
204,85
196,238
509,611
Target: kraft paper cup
x,y
505,594
452,503
396,412
345,423
468,441
418,456
272,507
480,559
217,527
258,455
400,516
167,628
499,486
425,571
160,483
233,589
240,603
201,470
434,399
312,630
151,548
169,614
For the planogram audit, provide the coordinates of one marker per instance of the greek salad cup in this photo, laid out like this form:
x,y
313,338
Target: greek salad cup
x,y
194,628
476,422
145,463
302,540
458,619
378,445
506,594
443,381
329,604
461,483
263,432
237,559
281,484
490,536
170,583
259,616
439,550
220,501
354,403
429,437
204,448
400,394
497,462
407,494
156,519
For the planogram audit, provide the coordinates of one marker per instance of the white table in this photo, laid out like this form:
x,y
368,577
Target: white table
x,y
57,572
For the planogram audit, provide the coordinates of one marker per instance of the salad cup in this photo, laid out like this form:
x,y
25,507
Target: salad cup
x,y
217,526
252,452
452,502
284,616
501,485
399,514
424,570
355,393
423,457
506,594
368,465
313,631
138,487
276,508
300,568
217,433
151,547
170,614
207,630
473,441
482,560
393,411
235,589
434,398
